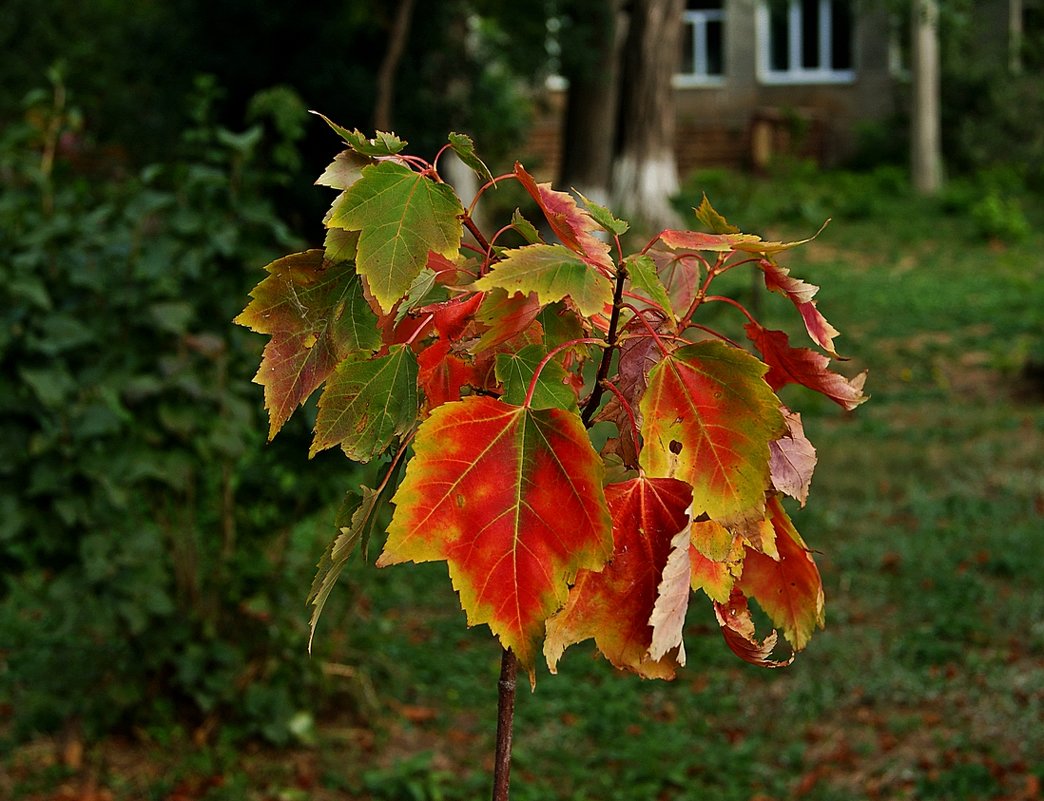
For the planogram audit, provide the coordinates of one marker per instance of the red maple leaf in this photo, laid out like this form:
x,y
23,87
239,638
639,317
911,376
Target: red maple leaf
x,y
511,498
571,224
615,605
789,588
789,365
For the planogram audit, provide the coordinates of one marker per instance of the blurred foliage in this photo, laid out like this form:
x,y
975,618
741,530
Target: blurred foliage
x,y
992,115
131,63
142,519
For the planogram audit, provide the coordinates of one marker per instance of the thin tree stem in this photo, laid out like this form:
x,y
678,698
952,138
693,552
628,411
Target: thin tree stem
x,y
505,722
607,355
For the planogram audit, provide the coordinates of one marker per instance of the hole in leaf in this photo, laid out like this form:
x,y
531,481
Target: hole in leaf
x,y
675,447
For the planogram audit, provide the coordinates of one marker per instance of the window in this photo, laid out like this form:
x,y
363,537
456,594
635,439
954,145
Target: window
x,y
703,44
805,41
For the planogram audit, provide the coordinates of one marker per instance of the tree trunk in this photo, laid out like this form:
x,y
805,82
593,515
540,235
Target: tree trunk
x,y
593,98
382,113
925,126
645,172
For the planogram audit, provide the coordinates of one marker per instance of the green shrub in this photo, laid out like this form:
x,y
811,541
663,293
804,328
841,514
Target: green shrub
x,y
1000,218
143,525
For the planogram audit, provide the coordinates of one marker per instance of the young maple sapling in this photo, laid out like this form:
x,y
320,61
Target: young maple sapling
x,y
459,356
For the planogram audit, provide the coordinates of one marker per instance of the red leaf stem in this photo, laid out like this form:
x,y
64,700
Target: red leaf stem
x,y
488,185
731,302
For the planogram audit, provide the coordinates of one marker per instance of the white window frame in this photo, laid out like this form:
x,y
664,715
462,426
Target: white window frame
x,y
698,19
795,72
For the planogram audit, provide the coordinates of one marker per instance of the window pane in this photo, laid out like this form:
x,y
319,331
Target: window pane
x,y
715,55
810,34
841,35
779,39
688,50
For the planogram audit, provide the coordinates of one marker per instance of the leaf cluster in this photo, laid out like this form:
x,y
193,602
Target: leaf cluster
x,y
480,363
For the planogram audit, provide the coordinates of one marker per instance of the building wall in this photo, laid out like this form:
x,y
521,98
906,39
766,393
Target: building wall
x,y
744,120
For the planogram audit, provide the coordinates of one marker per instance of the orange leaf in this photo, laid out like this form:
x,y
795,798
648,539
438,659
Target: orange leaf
x,y
716,556
708,418
442,375
512,500
615,605
738,629
788,589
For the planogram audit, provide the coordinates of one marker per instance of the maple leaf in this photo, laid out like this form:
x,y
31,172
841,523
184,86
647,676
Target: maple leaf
x,y
343,171
708,418
604,217
792,459
680,276
642,272
553,272
455,316
525,228
672,601
707,215
615,605
699,241
789,588
571,224
725,242
350,532
737,627
553,388
401,215
716,558
789,365
505,315
800,293
464,147
367,403
511,498
316,315
383,144
638,355
442,375
340,245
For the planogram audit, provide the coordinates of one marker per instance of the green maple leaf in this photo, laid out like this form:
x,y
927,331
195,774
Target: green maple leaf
x,y
515,371
554,272
334,558
464,147
643,275
367,403
717,224
401,215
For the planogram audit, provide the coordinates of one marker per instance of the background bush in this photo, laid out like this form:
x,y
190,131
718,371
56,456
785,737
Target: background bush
x,y
141,519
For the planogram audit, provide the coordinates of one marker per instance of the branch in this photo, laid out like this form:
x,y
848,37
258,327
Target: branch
x,y
607,355
505,721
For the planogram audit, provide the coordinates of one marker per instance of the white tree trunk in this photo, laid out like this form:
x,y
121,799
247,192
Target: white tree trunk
x,y
925,125
645,173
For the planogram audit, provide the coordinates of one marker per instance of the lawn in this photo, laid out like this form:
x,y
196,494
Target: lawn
x,y
927,515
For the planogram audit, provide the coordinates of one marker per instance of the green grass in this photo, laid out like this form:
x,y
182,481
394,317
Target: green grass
x,y
927,513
